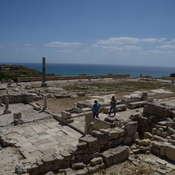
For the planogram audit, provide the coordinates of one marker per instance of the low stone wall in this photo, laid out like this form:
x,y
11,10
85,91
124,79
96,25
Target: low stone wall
x,y
159,111
20,98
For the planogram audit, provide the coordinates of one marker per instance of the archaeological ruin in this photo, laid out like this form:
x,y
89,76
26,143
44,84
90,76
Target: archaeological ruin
x,y
72,142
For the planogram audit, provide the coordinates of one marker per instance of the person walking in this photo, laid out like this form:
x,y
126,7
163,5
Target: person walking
x,y
113,106
95,109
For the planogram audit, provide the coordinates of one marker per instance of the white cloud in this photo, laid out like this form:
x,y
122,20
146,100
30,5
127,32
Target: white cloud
x,y
132,48
149,40
119,41
63,44
65,51
27,44
166,47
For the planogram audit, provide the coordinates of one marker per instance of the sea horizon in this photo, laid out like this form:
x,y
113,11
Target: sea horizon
x,y
68,69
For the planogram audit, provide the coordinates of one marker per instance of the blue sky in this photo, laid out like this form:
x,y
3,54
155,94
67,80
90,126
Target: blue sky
x,y
121,32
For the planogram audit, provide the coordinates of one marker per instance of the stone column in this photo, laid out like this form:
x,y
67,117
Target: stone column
x,y
45,102
144,96
44,72
88,120
7,111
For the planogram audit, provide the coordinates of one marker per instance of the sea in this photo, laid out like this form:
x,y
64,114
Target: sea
x,y
95,69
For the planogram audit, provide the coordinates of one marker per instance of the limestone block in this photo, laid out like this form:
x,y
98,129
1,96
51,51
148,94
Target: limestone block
x,y
90,140
154,130
82,172
77,166
120,153
97,134
170,131
159,138
20,169
65,154
128,140
147,135
155,150
164,134
136,136
115,155
144,148
114,134
156,144
82,146
145,142
171,141
162,150
105,131
170,152
96,160
88,119
94,169
108,157
172,137
65,115
110,119
131,127
49,173
99,124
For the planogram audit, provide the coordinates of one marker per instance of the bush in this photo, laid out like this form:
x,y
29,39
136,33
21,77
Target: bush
x,y
172,75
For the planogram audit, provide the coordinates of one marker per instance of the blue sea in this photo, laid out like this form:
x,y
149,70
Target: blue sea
x,y
94,69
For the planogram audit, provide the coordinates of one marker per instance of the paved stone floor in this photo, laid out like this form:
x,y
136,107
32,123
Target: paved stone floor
x,y
41,138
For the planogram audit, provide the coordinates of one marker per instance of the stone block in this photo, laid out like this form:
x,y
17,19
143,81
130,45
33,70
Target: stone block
x,y
128,140
120,153
162,150
77,166
111,119
170,131
145,148
164,134
136,136
65,115
145,142
90,140
155,150
154,130
170,152
171,141
82,146
99,124
159,138
115,155
147,135
94,169
131,127
172,137
17,116
96,160
114,134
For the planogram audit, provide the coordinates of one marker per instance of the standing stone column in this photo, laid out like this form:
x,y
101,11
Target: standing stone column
x,y
44,72
88,120
7,111
45,102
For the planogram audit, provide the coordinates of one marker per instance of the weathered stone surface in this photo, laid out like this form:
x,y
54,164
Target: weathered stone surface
x,y
20,169
145,142
114,134
128,140
65,115
170,152
147,135
82,146
94,169
78,166
90,140
100,124
96,160
115,155
144,148
131,127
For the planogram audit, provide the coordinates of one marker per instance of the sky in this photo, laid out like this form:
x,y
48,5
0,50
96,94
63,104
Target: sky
x,y
117,32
